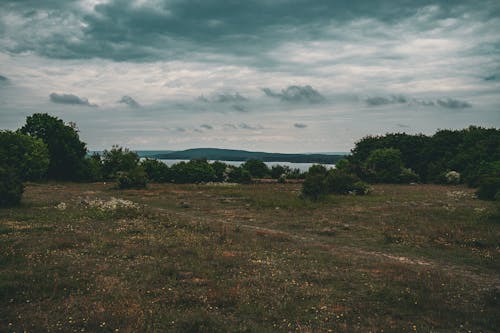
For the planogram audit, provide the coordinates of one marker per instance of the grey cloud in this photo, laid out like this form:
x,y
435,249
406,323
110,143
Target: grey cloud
x,y
129,101
491,78
129,30
449,103
453,103
3,78
230,126
69,99
249,127
239,108
300,94
403,125
207,127
229,98
299,125
377,101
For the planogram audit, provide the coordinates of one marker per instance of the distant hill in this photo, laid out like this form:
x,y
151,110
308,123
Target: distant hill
x,y
243,155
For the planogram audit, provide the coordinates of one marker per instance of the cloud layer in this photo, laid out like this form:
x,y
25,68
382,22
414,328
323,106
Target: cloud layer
x,y
259,74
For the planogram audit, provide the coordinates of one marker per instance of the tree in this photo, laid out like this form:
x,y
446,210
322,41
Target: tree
x,y
156,171
118,159
256,168
28,156
66,151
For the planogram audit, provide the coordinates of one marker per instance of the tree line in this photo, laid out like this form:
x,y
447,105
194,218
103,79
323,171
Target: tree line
x,y
470,156
47,148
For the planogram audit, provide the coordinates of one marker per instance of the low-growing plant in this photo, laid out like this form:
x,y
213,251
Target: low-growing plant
x,y
314,186
239,175
136,178
155,170
11,187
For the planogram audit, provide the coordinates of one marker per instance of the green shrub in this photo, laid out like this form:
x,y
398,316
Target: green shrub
x,y
90,169
194,171
407,176
135,178
256,168
279,170
340,182
156,171
27,155
11,187
117,160
317,169
239,175
314,186
489,187
220,171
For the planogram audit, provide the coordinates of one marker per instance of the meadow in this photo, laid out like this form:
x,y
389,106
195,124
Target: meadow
x,y
248,258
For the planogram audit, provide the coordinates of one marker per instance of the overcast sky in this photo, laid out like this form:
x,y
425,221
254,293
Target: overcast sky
x,y
269,75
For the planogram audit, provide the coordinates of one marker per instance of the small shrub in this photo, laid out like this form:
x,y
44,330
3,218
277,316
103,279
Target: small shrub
x,y
194,171
155,170
340,182
489,187
314,186
118,160
135,178
239,175
11,187
407,176
452,177
361,188
282,179
317,169
256,168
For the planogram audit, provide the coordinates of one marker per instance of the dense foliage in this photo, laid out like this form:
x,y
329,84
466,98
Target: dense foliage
x,y
21,158
256,168
429,157
320,182
66,151
117,160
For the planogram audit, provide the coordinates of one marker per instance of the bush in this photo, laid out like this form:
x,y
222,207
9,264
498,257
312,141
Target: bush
x,y
118,159
489,182
317,169
91,169
489,187
239,175
407,176
279,170
135,178
452,177
340,182
220,171
156,171
11,187
27,155
314,186
194,171
256,168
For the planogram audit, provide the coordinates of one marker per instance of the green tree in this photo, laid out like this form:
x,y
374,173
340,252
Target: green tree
x,y
66,151
256,168
384,165
118,159
28,156
156,171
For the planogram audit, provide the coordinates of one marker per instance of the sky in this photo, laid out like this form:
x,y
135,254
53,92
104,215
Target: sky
x,y
277,76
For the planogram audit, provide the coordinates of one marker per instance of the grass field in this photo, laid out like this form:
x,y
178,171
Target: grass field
x,y
248,258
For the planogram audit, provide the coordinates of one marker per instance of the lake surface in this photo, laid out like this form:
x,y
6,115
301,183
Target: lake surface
x,y
301,166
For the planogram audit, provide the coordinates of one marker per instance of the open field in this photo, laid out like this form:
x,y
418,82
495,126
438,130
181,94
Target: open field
x,y
249,258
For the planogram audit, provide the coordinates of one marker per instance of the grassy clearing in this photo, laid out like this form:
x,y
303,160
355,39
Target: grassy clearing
x,y
255,258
